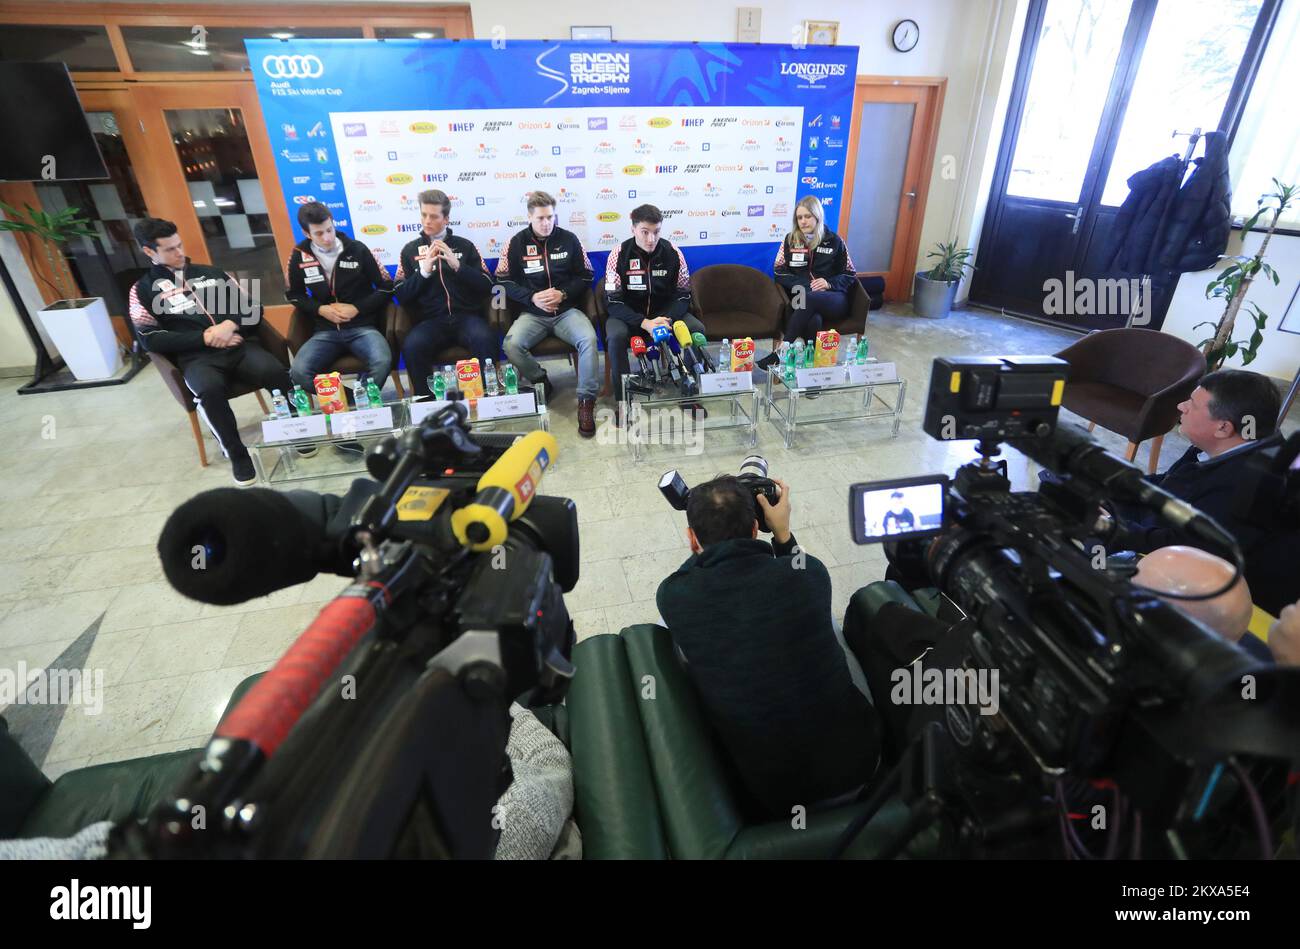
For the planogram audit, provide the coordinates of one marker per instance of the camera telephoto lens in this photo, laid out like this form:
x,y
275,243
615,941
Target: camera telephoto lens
x,y
755,465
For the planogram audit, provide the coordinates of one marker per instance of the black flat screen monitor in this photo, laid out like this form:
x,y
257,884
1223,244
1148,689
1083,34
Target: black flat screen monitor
x,y
42,119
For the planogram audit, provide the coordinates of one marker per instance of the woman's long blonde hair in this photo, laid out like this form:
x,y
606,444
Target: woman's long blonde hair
x,y
813,206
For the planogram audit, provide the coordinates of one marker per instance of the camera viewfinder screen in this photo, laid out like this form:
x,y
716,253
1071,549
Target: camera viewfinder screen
x,y
896,510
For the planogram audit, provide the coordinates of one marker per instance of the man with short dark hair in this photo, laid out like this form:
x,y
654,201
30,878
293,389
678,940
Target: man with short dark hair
x,y
341,285
753,622
545,270
1230,415
444,278
202,319
648,284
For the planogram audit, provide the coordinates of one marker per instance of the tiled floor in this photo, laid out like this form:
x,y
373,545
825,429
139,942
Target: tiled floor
x,y
88,478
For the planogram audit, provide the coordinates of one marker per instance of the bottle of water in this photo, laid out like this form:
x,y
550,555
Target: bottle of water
x,y
862,350
301,401
360,397
724,356
490,384
450,382
510,379
848,349
279,404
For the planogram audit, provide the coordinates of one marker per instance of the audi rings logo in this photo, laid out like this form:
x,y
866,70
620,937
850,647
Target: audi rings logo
x,y
293,67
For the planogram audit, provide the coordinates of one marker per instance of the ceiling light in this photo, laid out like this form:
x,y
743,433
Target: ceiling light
x,y
422,36
281,36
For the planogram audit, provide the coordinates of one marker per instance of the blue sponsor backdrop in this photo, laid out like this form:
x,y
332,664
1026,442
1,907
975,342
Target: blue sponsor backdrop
x,y
301,83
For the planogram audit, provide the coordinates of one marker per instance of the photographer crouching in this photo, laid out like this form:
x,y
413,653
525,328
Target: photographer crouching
x,y
752,621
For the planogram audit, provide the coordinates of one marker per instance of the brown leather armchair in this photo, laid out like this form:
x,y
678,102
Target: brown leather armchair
x,y
589,303
174,379
401,318
1130,381
733,301
300,330
854,321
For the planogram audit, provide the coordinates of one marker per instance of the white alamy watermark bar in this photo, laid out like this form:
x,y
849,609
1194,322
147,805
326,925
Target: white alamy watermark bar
x,y
71,687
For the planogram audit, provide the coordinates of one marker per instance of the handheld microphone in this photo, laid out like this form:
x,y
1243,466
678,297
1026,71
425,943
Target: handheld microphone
x,y
656,371
639,350
687,380
504,492
229,545
702,351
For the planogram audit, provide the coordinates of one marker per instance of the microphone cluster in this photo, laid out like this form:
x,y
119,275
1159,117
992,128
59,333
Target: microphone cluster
x,y
674,357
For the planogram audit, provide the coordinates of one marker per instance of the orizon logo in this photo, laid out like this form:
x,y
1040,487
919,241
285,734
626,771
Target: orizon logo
x,y
293,67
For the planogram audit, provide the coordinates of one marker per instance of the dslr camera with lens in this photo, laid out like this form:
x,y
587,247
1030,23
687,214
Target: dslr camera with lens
x,y
752,475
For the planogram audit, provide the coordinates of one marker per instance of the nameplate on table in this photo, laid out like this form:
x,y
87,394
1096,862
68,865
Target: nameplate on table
x,y
714,383
872,373
819,377
290,429
506,406
422,410
365,420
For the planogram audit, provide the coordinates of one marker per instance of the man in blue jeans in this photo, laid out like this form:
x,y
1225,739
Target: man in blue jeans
x,y
444,278
339,283
545,270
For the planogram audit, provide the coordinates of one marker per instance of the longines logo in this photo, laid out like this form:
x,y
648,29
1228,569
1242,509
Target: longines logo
x,y
813,72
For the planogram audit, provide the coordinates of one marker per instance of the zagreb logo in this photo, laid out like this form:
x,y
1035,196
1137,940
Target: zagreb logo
x,y
692,123
304,198
526,151
608,216
607,240
659,123
399,178
360,154
784,166
575,171
293,67
679,191
445,153
354,129
371,206
373,229
423,128
460,126
604,148
745,231
679,146
749,145
435,178
633,169
677,235
606,194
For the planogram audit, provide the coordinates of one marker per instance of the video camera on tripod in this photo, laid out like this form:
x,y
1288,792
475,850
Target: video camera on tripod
x,y
382,730
1101,684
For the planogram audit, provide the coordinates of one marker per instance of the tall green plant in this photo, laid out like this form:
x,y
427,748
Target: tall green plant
x,y
1233,283
953,261
53,231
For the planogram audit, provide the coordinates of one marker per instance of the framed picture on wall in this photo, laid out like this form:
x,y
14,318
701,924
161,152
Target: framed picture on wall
x,y
591,33
821,32
1291,318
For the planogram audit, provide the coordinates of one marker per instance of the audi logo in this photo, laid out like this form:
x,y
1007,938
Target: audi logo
x,y
293,67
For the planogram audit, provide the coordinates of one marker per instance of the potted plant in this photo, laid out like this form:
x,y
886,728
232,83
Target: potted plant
x,y
936,288
78,326
1233,283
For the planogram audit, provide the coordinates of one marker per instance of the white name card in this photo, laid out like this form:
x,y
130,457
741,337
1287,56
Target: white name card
x,y
366,420
722,382
871,373
819,377
289,429
422,410
506,406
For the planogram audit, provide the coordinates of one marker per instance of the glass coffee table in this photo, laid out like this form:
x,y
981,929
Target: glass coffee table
x,y
837,389
343,438
659,414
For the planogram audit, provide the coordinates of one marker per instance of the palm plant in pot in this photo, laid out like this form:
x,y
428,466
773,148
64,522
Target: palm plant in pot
x,y
935,289
79,326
